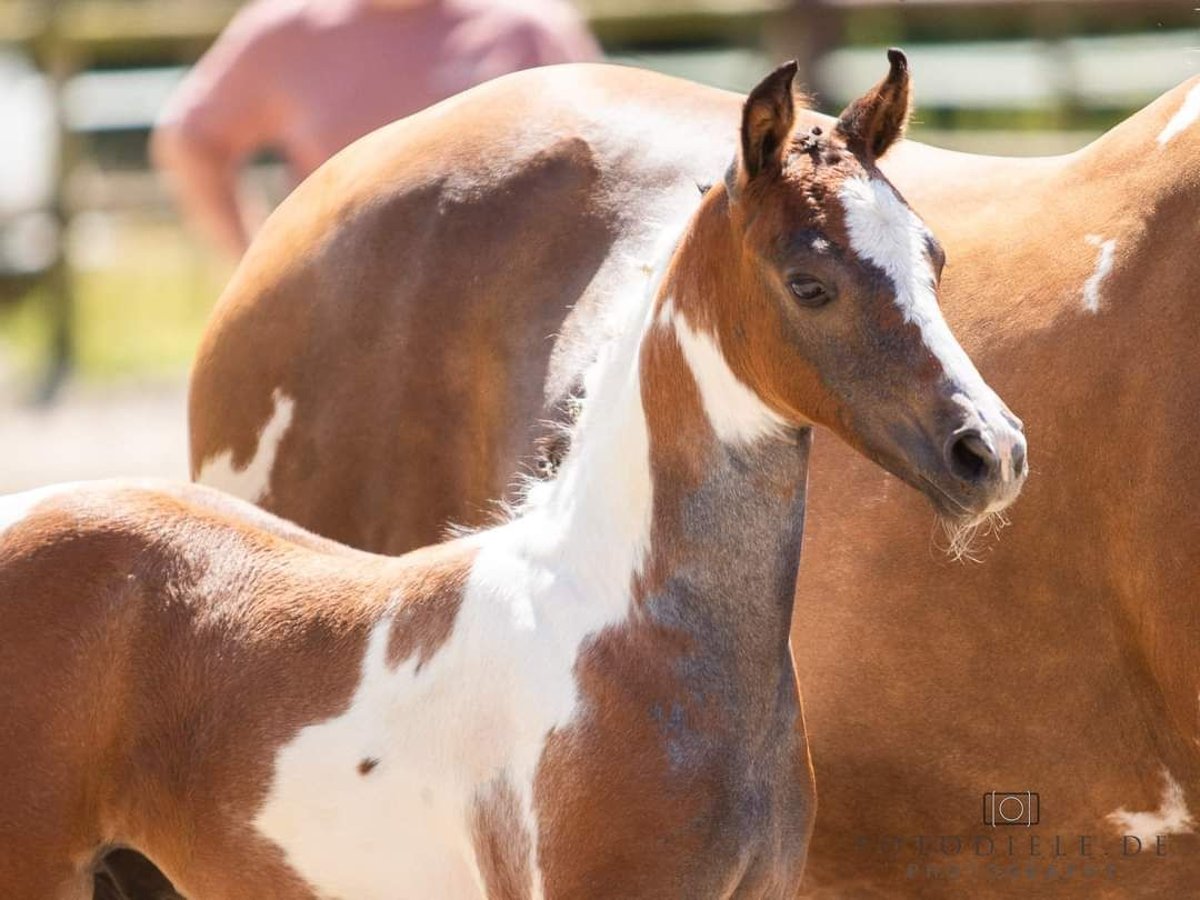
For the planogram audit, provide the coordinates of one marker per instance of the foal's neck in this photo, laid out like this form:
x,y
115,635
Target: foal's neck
x,y
729,483
682,495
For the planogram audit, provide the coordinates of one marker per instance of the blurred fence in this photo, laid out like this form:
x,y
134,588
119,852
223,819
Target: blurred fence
x,y
82,80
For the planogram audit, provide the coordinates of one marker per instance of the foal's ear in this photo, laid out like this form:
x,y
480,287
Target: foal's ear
x,y
876,120
767,121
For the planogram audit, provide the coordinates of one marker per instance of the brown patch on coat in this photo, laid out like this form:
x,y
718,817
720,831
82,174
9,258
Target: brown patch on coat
x,y
613,768
672,406
503,846
434,579
584,835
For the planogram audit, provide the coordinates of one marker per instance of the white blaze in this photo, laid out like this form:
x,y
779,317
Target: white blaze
x,y
253,480
886,233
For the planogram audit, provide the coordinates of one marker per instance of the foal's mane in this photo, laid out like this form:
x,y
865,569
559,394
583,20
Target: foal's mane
x,y
564,408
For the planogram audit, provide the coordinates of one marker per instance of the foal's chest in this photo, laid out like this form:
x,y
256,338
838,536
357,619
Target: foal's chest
x,y
663,789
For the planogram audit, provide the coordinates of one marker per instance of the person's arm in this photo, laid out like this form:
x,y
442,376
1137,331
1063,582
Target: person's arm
x,y
222,113
205,183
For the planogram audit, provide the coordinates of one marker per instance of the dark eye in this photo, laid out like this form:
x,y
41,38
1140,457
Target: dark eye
x,y
809,291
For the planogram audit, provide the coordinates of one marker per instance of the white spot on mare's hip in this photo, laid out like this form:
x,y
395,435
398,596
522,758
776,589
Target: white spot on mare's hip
x,y
1184,117
253,480
1104,264
1171,817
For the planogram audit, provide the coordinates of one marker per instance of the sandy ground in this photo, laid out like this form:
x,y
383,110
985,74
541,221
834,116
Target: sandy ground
x,y
94,431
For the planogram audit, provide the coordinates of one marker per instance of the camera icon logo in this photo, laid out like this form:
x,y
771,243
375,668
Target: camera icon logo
x,y
1011,808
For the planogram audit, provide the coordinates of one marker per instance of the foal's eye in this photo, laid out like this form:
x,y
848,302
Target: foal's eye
x,y
809,291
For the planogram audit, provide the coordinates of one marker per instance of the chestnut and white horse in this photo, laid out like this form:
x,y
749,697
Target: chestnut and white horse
x,y
595,698
376,370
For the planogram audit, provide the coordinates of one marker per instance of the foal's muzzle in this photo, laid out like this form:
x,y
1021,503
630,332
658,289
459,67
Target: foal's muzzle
x,y
986,461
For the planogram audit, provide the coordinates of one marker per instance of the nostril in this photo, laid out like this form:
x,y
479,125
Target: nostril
x,y
971,459
1018,459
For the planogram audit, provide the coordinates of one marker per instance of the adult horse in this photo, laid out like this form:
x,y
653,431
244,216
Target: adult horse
x,y
375,370
593,699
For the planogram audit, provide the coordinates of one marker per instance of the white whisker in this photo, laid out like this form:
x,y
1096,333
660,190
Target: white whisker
x,y
964,539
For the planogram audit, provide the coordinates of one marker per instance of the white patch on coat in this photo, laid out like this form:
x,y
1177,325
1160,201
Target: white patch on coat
x,y
1184,118
401,830
1104,264
735,412
1171,817
253,480
886,233
484,704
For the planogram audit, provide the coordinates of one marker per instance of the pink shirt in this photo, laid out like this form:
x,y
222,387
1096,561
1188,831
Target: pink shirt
x,y
308,77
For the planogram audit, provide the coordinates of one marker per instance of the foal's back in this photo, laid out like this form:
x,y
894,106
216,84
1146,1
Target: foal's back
x,y
161,646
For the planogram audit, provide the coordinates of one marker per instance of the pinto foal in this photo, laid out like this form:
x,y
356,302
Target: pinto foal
x,y
594,699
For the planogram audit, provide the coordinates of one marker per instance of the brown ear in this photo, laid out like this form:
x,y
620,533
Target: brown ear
x,y
876,120
767,120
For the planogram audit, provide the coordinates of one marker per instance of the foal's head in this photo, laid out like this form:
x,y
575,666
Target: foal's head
x,y
820,285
